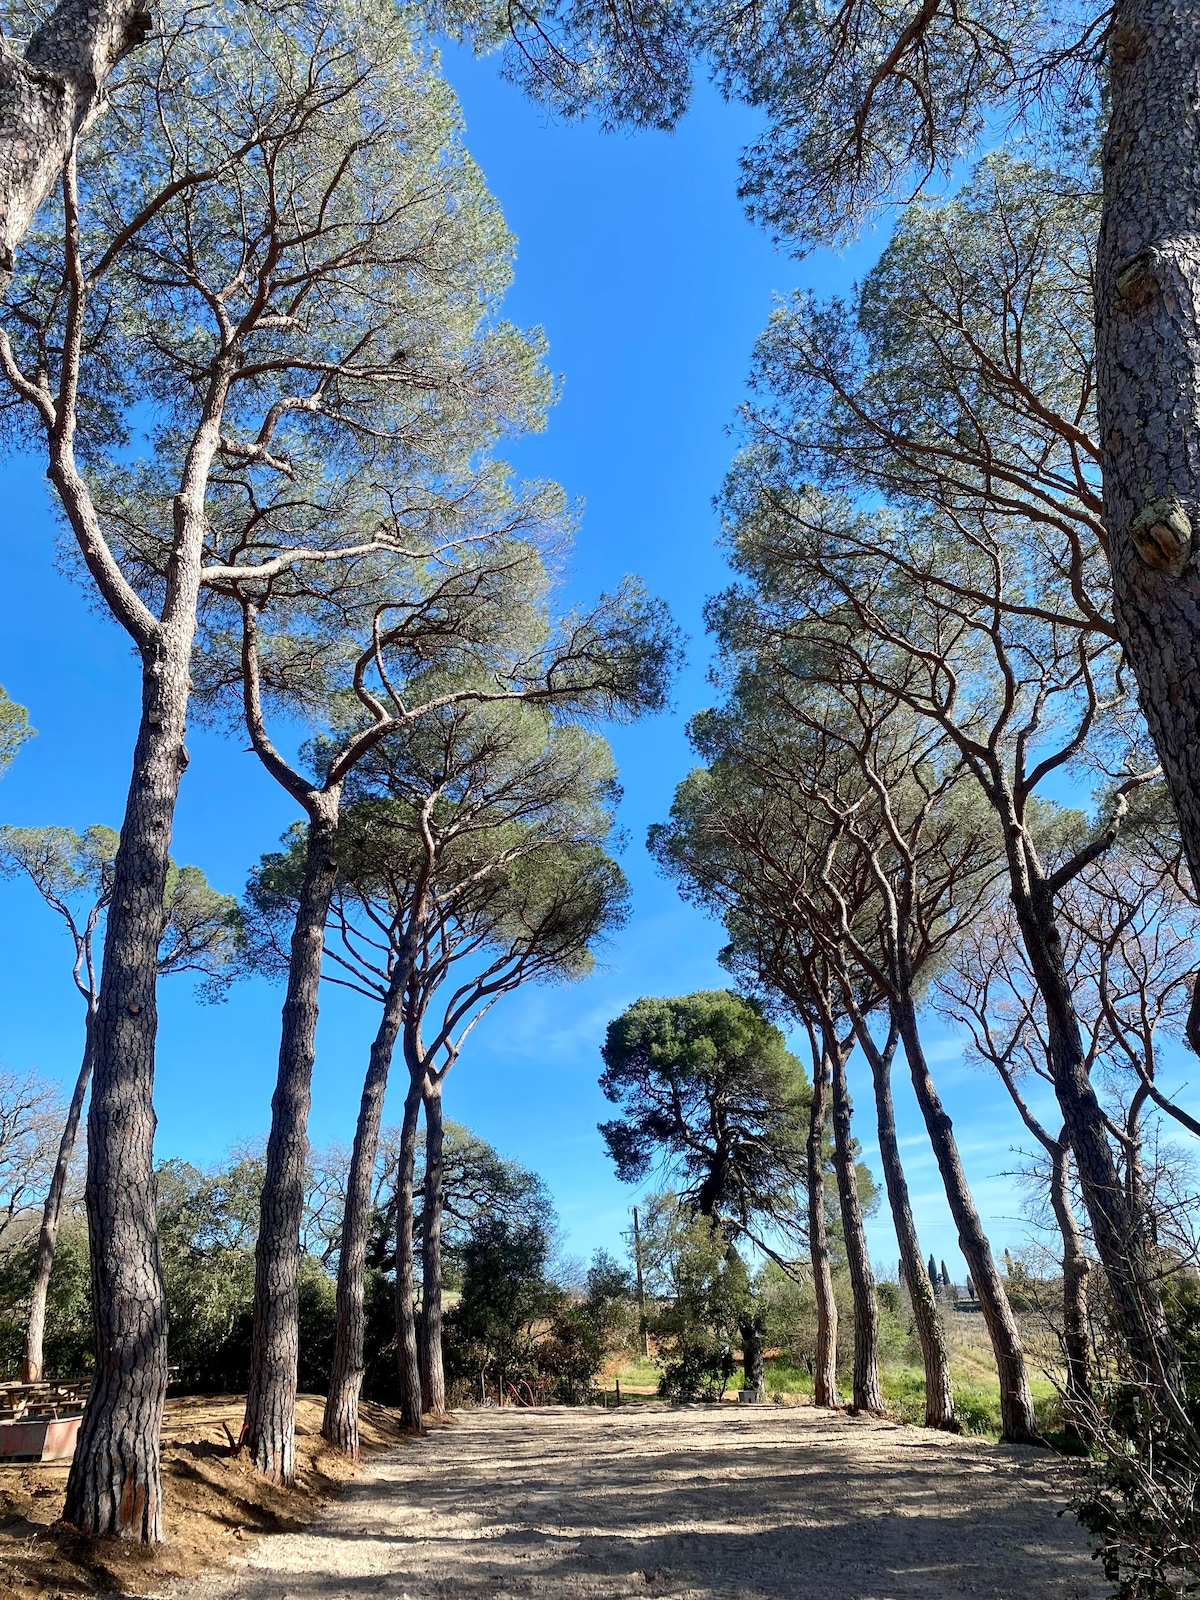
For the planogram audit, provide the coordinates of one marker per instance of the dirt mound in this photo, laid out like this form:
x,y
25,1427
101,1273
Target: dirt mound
x,y
213,1504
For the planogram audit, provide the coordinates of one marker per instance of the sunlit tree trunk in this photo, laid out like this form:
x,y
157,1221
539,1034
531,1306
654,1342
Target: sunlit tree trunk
x,y
1120,1230
1017,1420
825,1368
340,1422
114,1486
935,1356
407,1358
274,1352
867,1395
433,1381
1075,1276
1148,375
1148,395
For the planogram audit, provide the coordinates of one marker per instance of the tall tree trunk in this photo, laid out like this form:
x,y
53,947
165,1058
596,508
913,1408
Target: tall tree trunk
x,y
274,1350
754,1366
867,1395
340,1422
433,1380
1017,1420
939,1392
1135,1170
35,1333
114,1485
1148,392
825,1369
407,1355
1075,1276
1148,376
1120,1231
47,95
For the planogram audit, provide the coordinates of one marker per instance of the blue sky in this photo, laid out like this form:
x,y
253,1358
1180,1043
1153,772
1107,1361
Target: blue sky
x,y
635,257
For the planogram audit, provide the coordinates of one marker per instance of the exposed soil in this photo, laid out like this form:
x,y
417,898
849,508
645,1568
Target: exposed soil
x,y
213,1505
695,1504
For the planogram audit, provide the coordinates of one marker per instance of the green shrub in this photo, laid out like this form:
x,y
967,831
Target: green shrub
x,y
977,1410
569,1355
891,1298
1140,1499
698,1330
699,1367
513,1324
68,1344
206,1223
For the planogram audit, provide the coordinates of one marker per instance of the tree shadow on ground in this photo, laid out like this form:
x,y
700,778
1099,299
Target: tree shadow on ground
x,y
819,1509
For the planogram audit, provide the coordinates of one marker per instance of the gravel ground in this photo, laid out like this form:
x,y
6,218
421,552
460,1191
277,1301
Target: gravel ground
x,y
696,1503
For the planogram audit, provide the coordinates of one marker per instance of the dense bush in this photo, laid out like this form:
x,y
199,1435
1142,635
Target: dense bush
x,y
1142,1496
206,1235
611,1302
525,1324
569,1354
698,1328
68,1347
515,1325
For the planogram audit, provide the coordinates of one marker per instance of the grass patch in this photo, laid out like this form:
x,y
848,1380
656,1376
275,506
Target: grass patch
x,y
636,1374
972,1371
976,1399
976,1395
783,1378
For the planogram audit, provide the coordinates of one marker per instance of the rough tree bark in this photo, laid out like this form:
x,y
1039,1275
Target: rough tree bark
x,y
274,1351
407,1355
340,1422
825,1368
1148,396
35,1332
867,1395
1017,1420
114,1485
1075,1276
939,1391
433,1379
1148,376
46,97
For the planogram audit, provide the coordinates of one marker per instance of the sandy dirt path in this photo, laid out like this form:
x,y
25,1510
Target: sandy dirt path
x,y
695,1504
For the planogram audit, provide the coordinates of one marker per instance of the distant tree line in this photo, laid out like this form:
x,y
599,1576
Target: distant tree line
x,y
513,1322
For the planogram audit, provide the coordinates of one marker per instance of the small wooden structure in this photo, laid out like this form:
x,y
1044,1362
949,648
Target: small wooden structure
x,y
40,1421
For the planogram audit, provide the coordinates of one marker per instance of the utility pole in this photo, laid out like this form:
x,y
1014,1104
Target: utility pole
x,y
643,1325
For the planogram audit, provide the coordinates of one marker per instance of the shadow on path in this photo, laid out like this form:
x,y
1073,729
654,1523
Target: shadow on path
x,y
692,1503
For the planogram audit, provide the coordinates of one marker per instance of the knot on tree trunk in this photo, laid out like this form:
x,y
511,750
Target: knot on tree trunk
x,y
1162,536
1127,44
